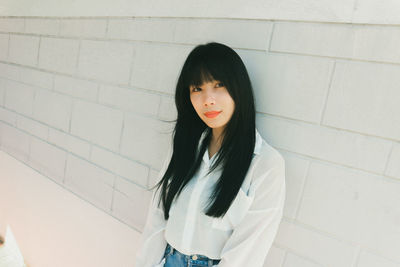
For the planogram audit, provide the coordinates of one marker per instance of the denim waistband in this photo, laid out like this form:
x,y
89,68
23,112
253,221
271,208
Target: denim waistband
x,y
194,257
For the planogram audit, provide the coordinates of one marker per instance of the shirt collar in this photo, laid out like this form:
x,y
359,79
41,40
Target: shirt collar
x,y
257,147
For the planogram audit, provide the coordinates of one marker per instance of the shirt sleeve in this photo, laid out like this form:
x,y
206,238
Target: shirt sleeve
x,y
152,242
252,238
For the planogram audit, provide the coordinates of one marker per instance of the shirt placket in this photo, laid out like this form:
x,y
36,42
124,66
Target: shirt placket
x,y
193,207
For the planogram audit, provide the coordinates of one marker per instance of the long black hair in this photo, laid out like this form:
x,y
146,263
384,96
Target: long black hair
x,y
208,62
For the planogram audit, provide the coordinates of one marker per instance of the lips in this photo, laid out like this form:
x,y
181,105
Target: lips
x,y
212,114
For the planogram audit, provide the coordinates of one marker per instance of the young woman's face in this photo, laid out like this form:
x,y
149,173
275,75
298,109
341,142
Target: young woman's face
x,y
212,97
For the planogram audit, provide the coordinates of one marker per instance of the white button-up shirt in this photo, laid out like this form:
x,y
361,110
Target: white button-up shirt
x,y
242,237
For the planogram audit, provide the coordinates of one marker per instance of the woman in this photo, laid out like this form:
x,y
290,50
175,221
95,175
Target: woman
x,y
223,187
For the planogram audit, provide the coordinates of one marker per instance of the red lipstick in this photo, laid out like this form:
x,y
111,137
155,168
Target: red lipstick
x,y
212,114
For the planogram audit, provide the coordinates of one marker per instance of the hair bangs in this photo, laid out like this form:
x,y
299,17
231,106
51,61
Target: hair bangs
x,y
203,71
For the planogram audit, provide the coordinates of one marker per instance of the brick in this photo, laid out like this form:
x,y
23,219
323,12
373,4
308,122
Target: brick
x,y
2,92
4,46
367,259
91,28
295,260
58,54
325,39
372,12
308,243
377,43
363,97
132,211
19,97
153,178
128,188
76,87
254,34
53,109
137,101
149,142
41,26
314,38
47,159
167,109
8,116
349,149
157,67
156,175
69,143
353,205
10,72
15,142
122,166
105,60
31,126
97,124
309,10
143,29
289,85
12,25
296,171
36,78
90,182
23,49
393,168
366,42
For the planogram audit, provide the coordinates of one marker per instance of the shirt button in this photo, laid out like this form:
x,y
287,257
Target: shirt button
x,y
194,257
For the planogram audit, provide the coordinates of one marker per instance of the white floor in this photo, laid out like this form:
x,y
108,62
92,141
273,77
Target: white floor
x,y
55,228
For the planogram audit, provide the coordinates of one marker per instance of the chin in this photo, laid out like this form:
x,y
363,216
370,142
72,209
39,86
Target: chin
x,y
214,126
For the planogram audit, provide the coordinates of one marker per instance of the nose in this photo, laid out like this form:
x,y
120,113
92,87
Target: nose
x,y
210,100
209,97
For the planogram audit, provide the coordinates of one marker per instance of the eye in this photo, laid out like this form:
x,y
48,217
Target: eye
x,y
220,84
194,88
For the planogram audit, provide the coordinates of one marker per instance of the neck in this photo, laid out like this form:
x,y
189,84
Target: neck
x,y
217,137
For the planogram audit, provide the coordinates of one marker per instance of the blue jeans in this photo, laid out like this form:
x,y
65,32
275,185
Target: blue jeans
x,y
173,258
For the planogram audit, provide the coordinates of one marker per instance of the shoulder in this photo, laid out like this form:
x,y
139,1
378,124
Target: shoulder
x,y
270,155
268,159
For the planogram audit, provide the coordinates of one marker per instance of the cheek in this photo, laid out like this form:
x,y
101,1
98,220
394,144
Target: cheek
x,y
230,104
195,103
225,97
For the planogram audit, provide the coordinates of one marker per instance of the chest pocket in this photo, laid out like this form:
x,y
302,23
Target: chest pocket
x,y
235,213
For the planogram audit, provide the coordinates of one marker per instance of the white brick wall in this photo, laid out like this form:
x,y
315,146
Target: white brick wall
x,y
3,46
53,109
84,102
23,49
19,97
58,54
83,27
106,61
